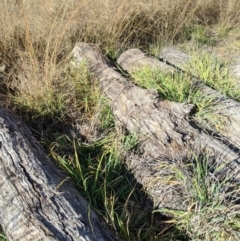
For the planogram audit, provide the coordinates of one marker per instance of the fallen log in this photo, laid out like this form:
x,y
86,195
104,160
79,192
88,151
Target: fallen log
x,y
175,58
235,68
134,59
181,60
162,125
228,108
37,201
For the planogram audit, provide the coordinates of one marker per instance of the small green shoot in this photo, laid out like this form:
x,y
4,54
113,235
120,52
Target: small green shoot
x,y
2,237
223,30
106,117
131,141
200,36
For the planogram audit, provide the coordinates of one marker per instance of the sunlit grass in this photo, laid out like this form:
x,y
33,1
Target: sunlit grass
x,y
178,87
175,87
214,74
212,213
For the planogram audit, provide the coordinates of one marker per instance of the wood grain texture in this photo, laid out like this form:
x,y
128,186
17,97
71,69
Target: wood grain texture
x,y
162,126
37,201
225,107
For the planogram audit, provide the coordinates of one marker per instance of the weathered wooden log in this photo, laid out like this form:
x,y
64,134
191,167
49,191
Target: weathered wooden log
x,y
134,59
181,60
225,107
235,68
162,125
37,201
175,57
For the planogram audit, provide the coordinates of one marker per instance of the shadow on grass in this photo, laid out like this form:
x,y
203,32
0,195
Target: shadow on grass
x,y
98,171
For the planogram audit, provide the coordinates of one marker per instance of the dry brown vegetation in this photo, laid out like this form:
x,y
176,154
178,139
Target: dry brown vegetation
x,y
54,26
37,37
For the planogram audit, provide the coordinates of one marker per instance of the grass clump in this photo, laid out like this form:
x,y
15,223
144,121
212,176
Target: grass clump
x,y
98,171
213,213
175,87
207,68
82,90
200,36
57,95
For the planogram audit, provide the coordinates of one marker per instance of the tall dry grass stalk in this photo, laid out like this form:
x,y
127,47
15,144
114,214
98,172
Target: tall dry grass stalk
x,y
108,23
38,35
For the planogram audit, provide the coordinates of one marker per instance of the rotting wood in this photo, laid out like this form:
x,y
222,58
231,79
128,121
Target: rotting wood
x,y
225,107
37,201
162,125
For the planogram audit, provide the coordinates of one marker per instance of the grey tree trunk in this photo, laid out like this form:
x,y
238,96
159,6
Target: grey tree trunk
x,y
37,201
228,108
162,126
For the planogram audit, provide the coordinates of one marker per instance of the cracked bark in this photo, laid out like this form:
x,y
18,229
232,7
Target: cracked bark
x,y
162,125
225,107
37,201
